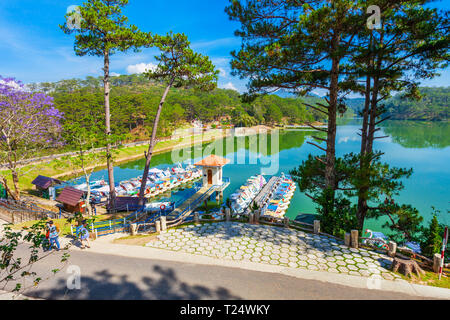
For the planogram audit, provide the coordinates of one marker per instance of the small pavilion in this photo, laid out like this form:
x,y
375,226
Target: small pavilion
x,y
212,170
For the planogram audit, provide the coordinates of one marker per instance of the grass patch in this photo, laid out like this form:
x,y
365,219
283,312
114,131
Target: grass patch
x,y
137,240
431,279
64,225
62,169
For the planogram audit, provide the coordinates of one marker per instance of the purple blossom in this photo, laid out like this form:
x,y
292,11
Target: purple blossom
x,y
28,121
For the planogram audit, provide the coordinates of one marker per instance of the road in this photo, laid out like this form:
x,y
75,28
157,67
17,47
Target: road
x,y
120,278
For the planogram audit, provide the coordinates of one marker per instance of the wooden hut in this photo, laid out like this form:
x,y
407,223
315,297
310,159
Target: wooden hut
x,y
72,200
46,186
127,204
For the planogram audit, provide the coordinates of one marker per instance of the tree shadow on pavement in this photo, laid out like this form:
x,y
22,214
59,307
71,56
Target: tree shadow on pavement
x,y
105,286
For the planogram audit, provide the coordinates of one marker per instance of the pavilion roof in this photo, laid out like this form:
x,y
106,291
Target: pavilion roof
x,y
212,161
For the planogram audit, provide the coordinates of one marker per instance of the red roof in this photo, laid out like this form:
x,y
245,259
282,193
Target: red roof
x,y
212,161
70,196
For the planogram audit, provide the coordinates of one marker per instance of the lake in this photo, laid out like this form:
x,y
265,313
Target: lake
x,y
425,147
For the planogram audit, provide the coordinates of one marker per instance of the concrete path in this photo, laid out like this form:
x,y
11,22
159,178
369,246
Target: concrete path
x,y
106,276
275,246
113,271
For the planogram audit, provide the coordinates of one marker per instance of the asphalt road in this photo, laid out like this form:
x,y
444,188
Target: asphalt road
x,y
115,277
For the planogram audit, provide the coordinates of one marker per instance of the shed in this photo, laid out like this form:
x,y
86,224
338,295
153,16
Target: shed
x,y
72,199
128,203
46,186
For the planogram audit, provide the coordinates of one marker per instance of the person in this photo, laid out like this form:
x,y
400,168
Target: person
x,y
83,235
46,242
53,235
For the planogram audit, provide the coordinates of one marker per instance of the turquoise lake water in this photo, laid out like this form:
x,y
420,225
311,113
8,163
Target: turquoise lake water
x,y
425,147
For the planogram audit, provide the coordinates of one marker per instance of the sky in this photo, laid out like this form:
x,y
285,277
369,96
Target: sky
x,y
34,49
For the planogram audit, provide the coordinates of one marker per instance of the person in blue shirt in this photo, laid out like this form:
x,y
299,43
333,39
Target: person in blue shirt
x,y
53,235
83,235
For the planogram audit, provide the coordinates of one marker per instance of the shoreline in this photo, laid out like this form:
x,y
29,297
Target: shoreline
x,y
193,142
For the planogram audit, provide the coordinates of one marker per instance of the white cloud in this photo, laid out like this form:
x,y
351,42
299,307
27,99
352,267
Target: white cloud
x,y
222,71
229,86
115,74
140,68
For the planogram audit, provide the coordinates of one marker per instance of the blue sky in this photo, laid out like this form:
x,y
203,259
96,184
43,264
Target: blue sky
x,y
34,49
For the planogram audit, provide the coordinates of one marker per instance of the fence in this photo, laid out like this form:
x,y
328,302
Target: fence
x,y
13,211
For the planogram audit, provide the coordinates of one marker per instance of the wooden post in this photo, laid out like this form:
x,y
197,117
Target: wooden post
x,y
251,218
347,239
163,224
133,228
227,214
286,222
437,260
196,218
158,226
354,238
257,216
316,226
392,249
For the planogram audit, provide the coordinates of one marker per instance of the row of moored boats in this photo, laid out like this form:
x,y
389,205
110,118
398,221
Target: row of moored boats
x,y
158,182
276,203
280,198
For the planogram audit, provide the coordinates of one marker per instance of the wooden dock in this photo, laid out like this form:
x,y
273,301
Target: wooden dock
x,y
265,192
187,207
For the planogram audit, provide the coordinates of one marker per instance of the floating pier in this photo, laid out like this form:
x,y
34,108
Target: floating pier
x,y
265,192
191,204
213,181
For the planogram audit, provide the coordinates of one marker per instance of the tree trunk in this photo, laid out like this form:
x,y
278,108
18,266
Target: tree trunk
x,y
407,267
8,190
15,179
152,144
109,160
362,192
88,196
330,175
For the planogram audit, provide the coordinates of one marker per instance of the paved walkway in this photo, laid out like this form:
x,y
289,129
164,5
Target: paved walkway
x,y
275,246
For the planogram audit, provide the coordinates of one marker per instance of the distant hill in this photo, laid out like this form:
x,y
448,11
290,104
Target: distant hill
x,y
434,106
134,100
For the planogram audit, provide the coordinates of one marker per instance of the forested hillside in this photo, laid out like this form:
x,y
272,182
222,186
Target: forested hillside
x,y
134,101
434,106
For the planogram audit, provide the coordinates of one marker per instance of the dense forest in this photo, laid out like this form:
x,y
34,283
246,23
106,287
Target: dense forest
x,y
134,101
434,105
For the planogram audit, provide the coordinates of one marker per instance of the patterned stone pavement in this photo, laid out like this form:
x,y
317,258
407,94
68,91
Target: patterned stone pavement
x,y
275,246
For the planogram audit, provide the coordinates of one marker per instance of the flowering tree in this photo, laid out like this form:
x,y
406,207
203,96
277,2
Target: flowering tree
x,y
28,123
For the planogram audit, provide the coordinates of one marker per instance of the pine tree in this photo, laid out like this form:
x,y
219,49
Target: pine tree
x,y
299,46
179,66
432,238
102,30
